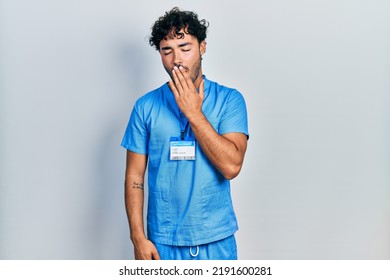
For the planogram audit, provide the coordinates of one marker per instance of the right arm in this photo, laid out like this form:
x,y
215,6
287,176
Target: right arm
x,y
144,249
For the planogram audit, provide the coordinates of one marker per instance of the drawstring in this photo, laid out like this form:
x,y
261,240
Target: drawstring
x,y
196,253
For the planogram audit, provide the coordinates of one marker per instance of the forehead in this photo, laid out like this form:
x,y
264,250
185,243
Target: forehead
x,y
172,40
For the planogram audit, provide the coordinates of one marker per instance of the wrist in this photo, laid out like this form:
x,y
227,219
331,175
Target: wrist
x,y
137,237
195,116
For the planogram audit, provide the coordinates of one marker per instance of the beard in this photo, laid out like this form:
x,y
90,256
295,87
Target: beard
x,y
195,70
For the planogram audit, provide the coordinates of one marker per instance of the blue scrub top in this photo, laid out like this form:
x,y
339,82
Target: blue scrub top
x,y
189,201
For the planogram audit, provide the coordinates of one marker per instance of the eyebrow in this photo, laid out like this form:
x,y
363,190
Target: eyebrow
x,y
180,46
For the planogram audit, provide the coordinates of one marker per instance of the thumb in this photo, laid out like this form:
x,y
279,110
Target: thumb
x,y
201,89
155,255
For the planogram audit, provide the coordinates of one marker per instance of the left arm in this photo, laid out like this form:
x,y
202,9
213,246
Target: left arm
x,y
226,152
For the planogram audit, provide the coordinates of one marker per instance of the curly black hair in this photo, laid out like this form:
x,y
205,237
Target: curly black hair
x,y
173,22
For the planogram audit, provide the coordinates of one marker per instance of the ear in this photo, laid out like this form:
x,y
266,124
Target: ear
x,y
202,47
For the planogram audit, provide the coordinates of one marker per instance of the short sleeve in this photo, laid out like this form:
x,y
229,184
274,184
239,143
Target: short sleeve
x,y
136,135
235,117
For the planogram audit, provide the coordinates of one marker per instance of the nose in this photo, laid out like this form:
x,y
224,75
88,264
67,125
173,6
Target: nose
x,y
177,60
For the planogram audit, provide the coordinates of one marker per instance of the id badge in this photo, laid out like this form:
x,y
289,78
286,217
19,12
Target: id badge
x,y
182,148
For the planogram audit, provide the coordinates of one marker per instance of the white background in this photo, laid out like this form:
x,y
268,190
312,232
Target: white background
x,y
316,78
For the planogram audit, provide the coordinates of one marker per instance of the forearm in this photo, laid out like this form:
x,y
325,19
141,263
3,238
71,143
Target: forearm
x,y
223,153
134,199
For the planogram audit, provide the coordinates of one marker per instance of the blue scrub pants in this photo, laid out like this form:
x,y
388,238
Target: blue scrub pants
x,y
225,249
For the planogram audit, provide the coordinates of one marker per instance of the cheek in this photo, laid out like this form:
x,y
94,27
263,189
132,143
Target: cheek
x,y
190,56
193,57
166,61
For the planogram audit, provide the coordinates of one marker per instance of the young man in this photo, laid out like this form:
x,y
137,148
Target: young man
x,y
192,134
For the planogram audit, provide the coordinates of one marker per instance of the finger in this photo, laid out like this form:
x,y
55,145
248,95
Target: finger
x,y
187,77
201,89
173,88
176,79
155,255
182,75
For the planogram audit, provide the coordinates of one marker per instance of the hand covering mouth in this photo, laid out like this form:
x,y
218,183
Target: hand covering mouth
x,y
185,68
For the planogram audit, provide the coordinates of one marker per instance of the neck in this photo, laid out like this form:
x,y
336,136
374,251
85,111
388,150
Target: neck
x,y
198,80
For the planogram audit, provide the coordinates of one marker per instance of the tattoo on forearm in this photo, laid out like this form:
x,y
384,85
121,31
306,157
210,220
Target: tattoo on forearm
x,y
137,185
